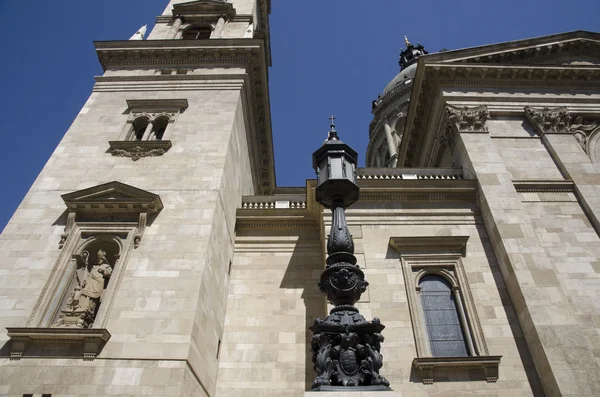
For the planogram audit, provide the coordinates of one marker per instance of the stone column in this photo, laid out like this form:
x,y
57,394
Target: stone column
x,y
176,27
148,131
391,143
218,32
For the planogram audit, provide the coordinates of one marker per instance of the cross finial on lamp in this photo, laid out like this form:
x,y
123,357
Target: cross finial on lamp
x,y
332,131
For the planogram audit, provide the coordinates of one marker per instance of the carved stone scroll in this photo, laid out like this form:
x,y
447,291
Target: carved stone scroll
x,y
68,228
137,239
583,131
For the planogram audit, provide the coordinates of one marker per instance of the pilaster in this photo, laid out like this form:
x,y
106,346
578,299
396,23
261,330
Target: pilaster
x,y
525,265
566,142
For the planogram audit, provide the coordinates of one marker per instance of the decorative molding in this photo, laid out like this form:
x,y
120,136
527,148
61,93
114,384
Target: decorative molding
x,y
68,228
139,149
584,131
431,245
462,120
112,197
440,255
408,173
202,9
427,365
467,119
425,98
154,105
93,339
111,203
449,195
540,186
276,224
549,120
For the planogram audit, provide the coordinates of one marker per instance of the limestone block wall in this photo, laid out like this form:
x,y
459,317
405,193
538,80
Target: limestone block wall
x,y
387,298
273,299
71,378
171,300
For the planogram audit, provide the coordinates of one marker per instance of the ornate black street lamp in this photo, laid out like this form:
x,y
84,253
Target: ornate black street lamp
x,y
346,347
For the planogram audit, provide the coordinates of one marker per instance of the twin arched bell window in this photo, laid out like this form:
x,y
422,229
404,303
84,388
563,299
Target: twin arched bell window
x,y
145,129
442,317
197,33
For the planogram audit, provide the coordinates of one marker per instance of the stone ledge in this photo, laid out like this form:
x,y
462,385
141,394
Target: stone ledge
x,y
544,186
93,339
138,149
426,366
430,245
353,393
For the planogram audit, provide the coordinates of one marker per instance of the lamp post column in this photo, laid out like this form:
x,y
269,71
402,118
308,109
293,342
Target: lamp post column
x,y
345,346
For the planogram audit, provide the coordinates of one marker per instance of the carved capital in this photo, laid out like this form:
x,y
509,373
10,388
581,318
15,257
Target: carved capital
x,y
549,120
462,120
467,119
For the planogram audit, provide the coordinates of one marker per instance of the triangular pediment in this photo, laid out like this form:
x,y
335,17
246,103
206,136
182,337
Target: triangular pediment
x,y
204,7
113,194
578,48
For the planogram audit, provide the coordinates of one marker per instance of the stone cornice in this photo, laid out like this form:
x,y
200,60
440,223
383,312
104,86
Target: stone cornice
x,y
204,8
544,186
426,366
93,339
158,53
248,53
430,244
112,197
275,223
154,104
425,100
552,47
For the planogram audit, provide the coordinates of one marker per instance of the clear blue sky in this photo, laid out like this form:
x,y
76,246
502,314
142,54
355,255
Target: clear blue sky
x,y
329,56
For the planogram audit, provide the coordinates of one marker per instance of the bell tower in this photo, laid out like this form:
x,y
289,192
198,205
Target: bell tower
x,y
118,256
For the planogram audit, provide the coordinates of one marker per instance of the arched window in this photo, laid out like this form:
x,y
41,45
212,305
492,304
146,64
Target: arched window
x,y
160,126
444,329
197,33
139,128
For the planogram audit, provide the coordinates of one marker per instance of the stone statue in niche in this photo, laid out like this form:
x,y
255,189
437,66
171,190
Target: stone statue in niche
x,y
84,301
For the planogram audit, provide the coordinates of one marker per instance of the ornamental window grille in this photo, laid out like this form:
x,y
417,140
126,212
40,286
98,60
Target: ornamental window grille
x,y
441,316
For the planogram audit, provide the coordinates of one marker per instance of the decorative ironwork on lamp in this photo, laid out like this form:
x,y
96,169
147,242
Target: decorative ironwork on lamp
x,y
346,347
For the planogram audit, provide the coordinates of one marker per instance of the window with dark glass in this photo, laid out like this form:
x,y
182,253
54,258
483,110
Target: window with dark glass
x,y
197,33
139,128
444,329
160,126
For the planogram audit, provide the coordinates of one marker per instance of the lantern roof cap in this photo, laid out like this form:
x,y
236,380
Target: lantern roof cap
x,y
333,143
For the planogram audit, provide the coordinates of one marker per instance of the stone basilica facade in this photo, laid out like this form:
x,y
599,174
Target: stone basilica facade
x,y
155,256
